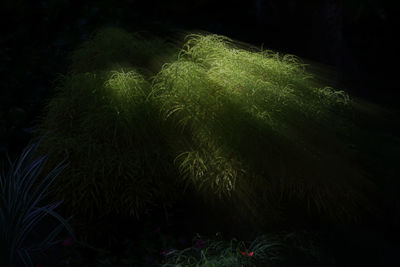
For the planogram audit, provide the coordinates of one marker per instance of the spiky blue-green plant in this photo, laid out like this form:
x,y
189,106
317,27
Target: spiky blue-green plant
x,y
21,197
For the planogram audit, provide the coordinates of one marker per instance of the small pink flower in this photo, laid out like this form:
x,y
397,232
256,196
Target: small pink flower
x,y
157,230
67,242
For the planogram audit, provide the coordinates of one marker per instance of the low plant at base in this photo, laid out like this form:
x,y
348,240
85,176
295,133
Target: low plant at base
x,y
263,251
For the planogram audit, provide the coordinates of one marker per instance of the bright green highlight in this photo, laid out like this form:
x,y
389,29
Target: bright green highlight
x,y
259,126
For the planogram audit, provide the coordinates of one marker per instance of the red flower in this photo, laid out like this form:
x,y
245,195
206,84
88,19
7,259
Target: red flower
x,y
244,253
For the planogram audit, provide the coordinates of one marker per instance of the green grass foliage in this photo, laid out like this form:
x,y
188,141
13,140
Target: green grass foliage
x,y
247,129
256,127
106,124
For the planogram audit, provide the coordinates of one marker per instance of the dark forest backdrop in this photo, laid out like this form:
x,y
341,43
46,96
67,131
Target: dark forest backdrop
x,y
355,38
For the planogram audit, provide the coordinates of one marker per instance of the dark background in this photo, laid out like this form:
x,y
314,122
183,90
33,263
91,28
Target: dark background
x,y
355,38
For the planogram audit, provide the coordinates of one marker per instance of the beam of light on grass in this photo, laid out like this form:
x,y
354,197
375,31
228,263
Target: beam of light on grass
x,y
263,110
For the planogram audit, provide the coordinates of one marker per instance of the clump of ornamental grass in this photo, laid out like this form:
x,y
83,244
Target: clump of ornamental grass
x,y
256,129
109,48
22,209
106,124
250,131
